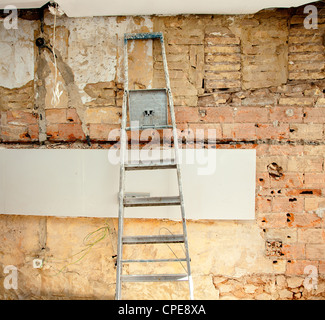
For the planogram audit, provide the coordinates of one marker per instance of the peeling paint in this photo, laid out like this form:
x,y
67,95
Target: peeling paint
x,y
17,54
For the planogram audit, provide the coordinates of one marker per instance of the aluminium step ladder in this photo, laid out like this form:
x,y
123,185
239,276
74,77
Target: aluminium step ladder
x,y
149,109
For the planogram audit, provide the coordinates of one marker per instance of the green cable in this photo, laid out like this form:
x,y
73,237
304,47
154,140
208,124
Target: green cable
x,y
90,240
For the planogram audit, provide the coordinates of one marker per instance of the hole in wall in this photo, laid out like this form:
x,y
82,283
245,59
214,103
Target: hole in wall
x,y
307,192
275,171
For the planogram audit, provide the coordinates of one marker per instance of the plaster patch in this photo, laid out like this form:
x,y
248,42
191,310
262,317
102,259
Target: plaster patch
x,y
17,54
97,44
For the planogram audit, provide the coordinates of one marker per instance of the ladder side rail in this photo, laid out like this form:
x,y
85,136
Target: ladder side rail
x,y
122,176
176,148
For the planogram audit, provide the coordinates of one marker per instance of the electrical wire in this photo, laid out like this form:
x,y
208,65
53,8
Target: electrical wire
x,y
56,91
90,240
173,250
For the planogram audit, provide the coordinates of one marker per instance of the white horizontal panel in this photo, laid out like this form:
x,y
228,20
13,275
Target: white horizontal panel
x,y
43,182
217,184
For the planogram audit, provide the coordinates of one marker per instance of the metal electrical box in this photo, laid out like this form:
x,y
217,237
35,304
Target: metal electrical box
x,y
148,108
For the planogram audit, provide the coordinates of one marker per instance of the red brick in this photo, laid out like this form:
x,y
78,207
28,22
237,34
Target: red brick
x,y
302,192
315,115
315,251
271,220
211,130
305,164
266,192
291,114
293,251
237,131
217,114
13,133
52,132
108,115
251,114
263,162
289,180
314,150
314,203
18,117
187,114
297,267
33,131
322,267
311,235
100,132
286,149
304,220
314,180
262,179
72,116
284,204
269,131
262,150
56,116
306,131
65,132
166,135
263,204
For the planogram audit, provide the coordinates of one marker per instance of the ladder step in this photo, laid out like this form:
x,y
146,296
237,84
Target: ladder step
x,y
151,201
166,164
153,260
154,277
175,238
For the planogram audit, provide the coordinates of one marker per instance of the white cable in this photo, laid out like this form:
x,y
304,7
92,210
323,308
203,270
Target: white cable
x,y
56,91
172,249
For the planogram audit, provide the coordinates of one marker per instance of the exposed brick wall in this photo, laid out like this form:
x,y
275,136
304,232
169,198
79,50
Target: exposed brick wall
x,y
263,72
306,49
257,80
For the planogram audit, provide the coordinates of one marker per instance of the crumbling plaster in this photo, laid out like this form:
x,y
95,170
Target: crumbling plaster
x,y
17,54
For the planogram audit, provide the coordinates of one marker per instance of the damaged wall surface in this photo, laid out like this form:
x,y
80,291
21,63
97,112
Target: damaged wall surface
x,y
258,80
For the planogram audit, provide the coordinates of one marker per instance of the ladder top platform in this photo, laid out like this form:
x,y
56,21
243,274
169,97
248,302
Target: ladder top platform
x,y
143,36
